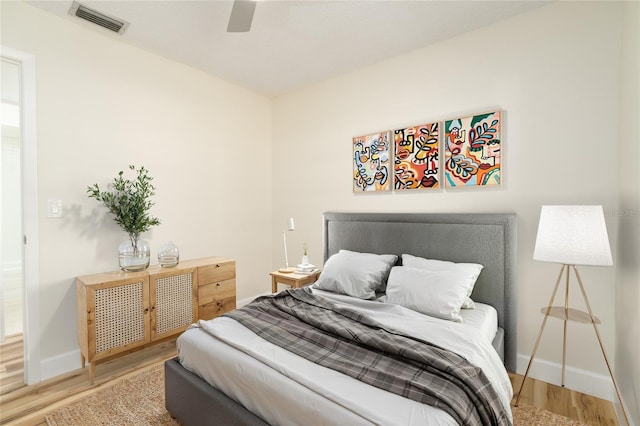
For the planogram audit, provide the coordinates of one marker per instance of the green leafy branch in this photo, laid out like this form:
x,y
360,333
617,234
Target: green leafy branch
x,y
129,202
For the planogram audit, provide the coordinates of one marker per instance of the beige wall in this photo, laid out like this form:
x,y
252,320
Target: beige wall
x,y
555,72
103,105
628,265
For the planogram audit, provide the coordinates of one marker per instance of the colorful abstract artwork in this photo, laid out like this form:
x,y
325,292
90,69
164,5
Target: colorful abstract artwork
x,y
416,162
473,150
371,162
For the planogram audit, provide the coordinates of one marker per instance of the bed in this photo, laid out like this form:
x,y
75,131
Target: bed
x,y
290,388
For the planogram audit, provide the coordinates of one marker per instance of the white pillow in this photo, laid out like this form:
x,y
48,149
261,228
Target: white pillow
x,y
356,274
438,294
468,303
473,269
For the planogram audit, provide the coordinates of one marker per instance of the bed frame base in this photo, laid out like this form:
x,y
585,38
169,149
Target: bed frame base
x,y
184,391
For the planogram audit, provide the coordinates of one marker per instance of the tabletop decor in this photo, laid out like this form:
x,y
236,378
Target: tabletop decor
x,y
305,254
305,267
129,201
168,255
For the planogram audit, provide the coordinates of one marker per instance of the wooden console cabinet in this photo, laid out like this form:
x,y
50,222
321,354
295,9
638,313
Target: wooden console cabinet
x,y
119,312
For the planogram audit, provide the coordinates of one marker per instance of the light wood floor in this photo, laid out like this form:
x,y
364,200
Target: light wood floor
x,y
566,402
11,364
27,405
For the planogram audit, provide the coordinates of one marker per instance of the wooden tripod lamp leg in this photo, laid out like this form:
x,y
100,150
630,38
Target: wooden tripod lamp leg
x,y
544,322
604,354
565,320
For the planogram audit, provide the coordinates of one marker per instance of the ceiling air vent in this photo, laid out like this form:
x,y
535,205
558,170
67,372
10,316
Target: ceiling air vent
x,y
108,22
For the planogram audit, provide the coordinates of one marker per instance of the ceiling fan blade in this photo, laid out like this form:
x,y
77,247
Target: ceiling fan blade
x,y
241,16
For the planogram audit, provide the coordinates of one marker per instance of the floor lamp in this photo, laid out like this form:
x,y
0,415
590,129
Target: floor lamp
x,y
290,227
572,235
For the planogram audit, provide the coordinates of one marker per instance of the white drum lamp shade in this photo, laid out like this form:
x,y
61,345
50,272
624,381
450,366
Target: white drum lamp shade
x,y
573,235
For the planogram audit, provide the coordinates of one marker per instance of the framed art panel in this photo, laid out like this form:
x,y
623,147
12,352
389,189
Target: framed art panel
x,y
416,164
473,150
371,162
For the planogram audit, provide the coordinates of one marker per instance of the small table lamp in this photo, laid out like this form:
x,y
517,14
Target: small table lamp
x,y
290,227
572,235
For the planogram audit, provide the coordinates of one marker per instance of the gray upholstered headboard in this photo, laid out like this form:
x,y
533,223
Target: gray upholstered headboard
x,y
488,239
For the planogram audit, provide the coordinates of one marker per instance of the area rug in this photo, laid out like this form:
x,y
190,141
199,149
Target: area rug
x,y
139,400
525,414
134,400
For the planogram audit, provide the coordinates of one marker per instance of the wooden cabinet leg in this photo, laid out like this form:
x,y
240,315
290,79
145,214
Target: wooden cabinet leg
x,y
82,360
274,285
92,372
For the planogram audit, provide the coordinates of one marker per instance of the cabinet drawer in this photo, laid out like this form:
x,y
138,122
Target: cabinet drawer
x,y
220,290
216,299
217,308
221,271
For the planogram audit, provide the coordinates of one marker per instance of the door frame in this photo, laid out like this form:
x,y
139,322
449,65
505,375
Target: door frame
x,y
29,170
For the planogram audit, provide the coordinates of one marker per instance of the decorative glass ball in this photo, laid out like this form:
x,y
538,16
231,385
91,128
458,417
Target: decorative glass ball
x,y
168,255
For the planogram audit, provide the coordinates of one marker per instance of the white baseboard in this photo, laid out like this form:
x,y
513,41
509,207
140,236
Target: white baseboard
x,y
577,379
59,364
618,409
69,361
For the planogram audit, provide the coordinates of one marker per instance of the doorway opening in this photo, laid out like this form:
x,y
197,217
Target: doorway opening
x,y
11,248
19,219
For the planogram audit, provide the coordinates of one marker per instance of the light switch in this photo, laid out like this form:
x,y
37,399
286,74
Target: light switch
x,y
54,208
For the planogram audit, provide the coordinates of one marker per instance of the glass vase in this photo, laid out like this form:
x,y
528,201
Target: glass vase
x,y
134,255
168,255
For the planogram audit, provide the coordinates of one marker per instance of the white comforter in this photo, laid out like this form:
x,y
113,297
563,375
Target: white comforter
x,y
285,389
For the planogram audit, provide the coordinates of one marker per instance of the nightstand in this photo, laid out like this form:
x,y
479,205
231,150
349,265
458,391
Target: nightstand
x,y
294,280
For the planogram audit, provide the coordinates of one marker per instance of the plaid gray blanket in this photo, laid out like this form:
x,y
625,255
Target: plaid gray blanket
x,y
358,346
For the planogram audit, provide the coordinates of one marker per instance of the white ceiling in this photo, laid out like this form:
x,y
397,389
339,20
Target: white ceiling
x,y
291,43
